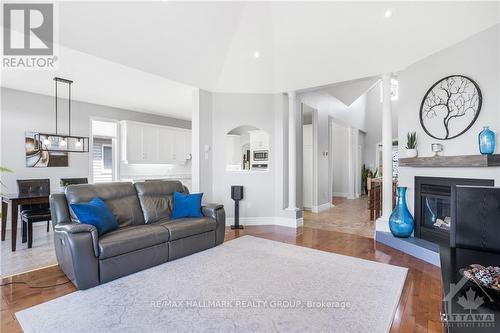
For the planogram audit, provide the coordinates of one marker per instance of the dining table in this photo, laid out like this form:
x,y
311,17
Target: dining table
x,y
14,200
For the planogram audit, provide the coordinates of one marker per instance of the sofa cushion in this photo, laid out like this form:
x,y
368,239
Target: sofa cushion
x,y
120,197
132,238
186,205
155,198
185,227
96,213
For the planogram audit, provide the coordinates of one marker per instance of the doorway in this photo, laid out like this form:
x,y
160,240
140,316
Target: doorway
x,y
104,159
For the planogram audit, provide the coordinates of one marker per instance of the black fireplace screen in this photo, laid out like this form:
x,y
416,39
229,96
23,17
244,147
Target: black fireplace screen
x,y
434,206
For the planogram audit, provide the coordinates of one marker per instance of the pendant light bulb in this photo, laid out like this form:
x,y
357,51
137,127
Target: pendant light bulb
x,y
63,143
78,144
46,141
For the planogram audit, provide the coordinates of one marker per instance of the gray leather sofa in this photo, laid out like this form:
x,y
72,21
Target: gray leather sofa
x,y
146,235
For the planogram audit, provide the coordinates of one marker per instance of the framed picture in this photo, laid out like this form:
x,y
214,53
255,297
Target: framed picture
x,y
38,157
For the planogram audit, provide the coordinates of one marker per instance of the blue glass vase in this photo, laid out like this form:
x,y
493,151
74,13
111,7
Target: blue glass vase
x,y
486,141
401,221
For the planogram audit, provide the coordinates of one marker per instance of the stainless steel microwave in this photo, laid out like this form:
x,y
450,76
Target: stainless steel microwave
x,y
261,155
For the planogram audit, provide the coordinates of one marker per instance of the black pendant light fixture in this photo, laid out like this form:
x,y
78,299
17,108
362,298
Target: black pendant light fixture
x,y
59,142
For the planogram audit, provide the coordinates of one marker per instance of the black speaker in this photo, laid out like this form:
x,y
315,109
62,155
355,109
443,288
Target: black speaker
x,y
236,192
236,195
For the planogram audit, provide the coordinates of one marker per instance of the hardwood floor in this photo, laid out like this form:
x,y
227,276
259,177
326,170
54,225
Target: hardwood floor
x,y
418,310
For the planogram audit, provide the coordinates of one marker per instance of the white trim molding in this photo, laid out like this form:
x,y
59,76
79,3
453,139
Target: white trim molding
x,y
386,147
292,146
271,220
321,208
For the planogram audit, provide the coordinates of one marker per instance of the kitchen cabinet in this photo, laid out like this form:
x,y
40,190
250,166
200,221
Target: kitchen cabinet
x,y
143,143
259,140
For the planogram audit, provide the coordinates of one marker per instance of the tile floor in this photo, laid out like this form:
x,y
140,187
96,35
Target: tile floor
x,y
42,253
348,216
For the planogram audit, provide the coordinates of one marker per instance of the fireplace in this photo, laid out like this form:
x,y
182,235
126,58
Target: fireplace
x,y
433,206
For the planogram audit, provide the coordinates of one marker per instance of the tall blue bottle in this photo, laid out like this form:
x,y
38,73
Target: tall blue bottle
x,y
486,141
401,221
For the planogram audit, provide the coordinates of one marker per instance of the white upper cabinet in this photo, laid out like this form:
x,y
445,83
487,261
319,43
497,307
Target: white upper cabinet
x,y
259,140
131,149
150,144
143,143
179,146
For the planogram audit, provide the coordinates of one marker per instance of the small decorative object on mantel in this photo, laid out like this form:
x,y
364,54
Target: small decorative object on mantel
x,y
401,221
436,148
450,107
411,144
486,141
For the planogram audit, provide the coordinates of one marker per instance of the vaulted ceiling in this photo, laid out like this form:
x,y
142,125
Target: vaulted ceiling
x,y
212,45
149,56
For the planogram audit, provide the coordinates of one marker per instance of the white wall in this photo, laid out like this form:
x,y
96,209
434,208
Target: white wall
x,y
477,57
307,165
202,143
329,108
24,111
265,192
229,112
373,123
340,183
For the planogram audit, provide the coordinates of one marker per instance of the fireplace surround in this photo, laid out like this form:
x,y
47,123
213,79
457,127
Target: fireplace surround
x,y
434,199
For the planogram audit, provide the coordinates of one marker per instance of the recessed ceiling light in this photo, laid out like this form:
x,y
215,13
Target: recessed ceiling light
x,y
388,13
256,54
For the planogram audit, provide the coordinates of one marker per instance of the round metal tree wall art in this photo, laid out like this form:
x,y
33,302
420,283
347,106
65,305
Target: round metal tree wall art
x,y
450,107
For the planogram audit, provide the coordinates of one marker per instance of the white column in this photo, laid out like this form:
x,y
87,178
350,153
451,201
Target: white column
x,y
350,164
292,150
386,147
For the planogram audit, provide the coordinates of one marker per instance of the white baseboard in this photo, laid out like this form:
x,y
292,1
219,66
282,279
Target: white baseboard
x,y
271,220
346,195
322,207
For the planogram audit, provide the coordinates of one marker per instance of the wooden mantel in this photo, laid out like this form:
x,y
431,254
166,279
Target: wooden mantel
x,y
463,161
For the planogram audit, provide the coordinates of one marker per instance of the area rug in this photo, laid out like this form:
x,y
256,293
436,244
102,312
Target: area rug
x,y
248,284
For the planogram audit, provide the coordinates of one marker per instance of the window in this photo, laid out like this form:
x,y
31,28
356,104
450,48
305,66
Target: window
x,y
107,158
394,90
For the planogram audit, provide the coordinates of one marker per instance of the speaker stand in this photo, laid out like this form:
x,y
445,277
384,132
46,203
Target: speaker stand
x,y
236,224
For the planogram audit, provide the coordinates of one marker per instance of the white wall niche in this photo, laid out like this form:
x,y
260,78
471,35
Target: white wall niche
x,y
243,142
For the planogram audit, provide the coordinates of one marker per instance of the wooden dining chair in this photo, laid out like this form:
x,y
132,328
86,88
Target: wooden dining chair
x,y
73,181
34,212
375,196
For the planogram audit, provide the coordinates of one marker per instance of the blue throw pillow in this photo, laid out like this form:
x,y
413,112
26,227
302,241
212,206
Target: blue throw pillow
x,y
186,205
97,213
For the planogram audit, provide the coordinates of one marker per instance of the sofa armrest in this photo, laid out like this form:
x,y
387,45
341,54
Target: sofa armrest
x,y
217,212
77,253
210,210
76,228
